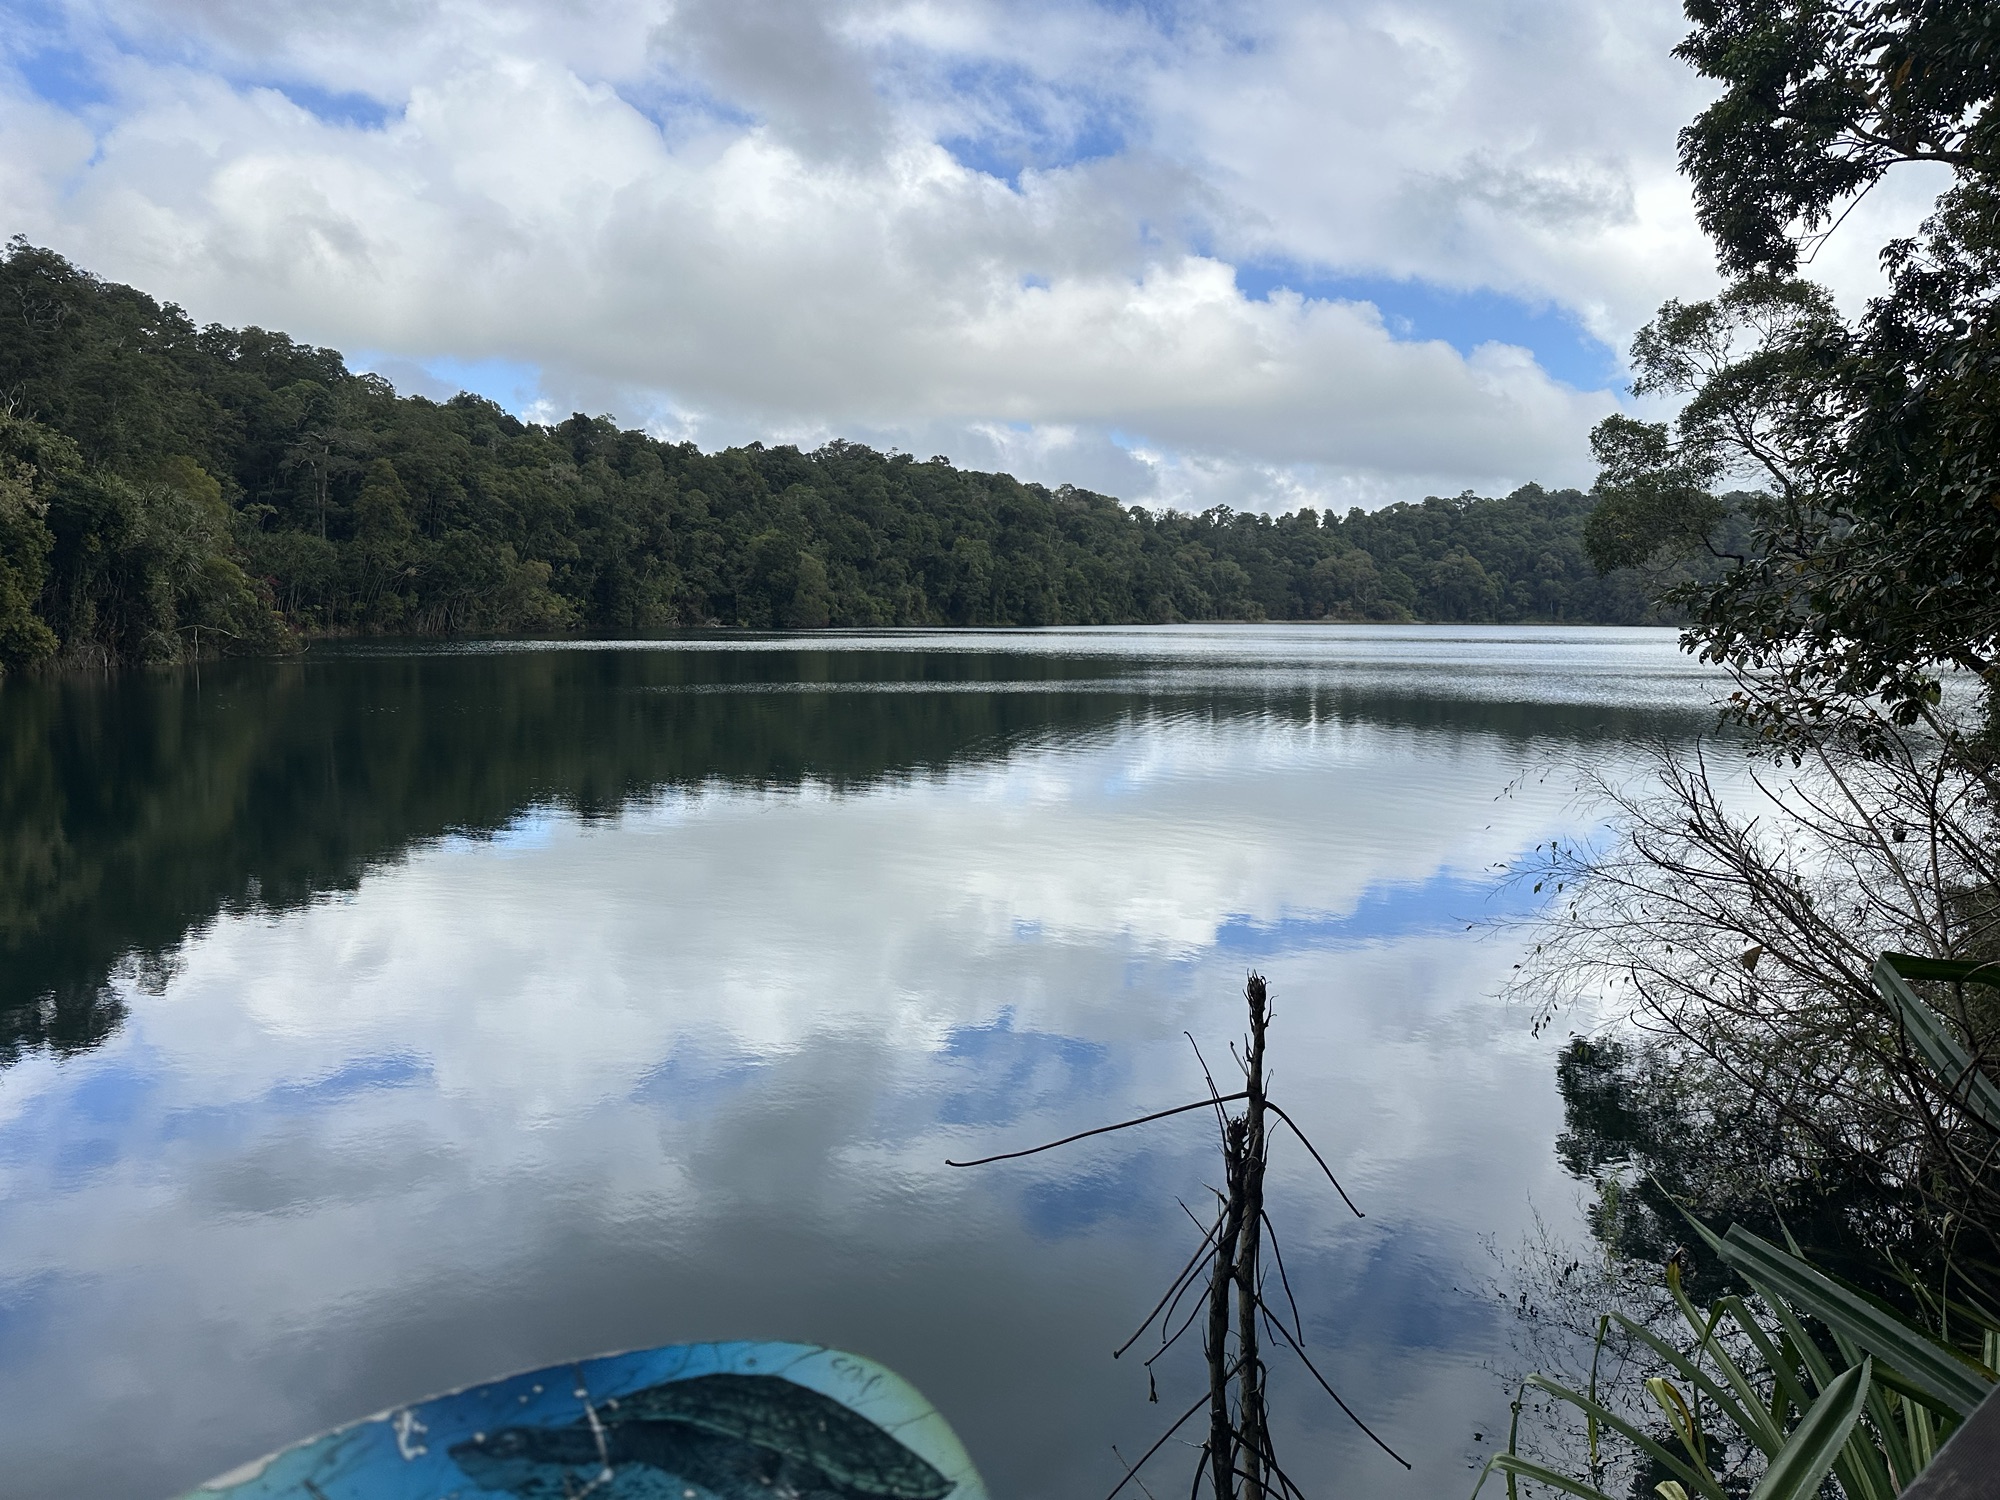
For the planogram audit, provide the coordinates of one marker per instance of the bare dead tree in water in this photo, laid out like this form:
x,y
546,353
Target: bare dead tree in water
x,y
1237,1458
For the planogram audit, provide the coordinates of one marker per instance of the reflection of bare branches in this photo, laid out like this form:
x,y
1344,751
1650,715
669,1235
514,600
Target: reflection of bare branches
x,y
1303,1141
1735,920
1558,1295
1313,1369
1237,1455
1132,1472
1284,1280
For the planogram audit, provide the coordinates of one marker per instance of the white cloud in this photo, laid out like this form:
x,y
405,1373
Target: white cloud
x,y
738,220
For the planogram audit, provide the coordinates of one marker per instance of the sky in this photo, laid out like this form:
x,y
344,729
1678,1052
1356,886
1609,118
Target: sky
x,y
1263,253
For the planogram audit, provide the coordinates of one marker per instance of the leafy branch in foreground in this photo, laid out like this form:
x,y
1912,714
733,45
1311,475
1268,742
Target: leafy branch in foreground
x,y
1841,1385
1871,573
1237,1456
1836,1381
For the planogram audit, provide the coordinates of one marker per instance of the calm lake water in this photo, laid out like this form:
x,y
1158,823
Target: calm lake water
x,y
399,1017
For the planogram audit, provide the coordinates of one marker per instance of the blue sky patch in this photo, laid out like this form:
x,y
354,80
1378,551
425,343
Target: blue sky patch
x,y
83,1157
394,1071
1166,16
1019,1070
681,105
62,76
511,384
26,1317
688,1080
1413,309
110,1096
1385,912
1408,1292
212,1122
358,111
528,831
1031,124
76,1130
1006,157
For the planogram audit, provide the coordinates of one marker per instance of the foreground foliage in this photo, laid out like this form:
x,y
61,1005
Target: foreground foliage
x,y
1734,909
1829,1379
1824,1382
1733,913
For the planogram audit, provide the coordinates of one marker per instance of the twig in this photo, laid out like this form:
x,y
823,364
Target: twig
x,y
1179,1109
1168,1343
1284,1280
1280,1113
1221,1119
1264,1457
1187,1271
1221,1433
1200,1059
1271,1462
1132,1472
1306,1360
1253,1151
1165,1341
1140,1482
1201,1464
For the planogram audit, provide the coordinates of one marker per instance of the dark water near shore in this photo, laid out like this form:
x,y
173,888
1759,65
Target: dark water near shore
x,y
390,1019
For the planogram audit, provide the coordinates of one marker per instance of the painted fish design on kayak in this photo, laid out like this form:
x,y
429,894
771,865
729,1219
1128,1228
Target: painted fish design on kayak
x,y
737,1421
733,1437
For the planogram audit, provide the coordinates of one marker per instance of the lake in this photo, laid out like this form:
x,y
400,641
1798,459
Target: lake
x,y
404,1015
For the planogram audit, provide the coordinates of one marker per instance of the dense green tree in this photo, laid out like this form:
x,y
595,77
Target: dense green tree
x,y
1872,444
1853,569
25,542
180,488
131,565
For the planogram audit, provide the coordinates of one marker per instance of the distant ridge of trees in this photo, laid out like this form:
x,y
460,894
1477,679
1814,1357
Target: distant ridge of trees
x,y
167,488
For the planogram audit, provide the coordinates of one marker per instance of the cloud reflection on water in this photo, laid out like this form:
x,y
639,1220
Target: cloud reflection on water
x,y
690,1070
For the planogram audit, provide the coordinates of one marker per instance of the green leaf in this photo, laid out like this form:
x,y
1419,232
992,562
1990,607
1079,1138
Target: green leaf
x,y
1596,1349
1779,1358
1888,1435
1703,1483
1679,1415
1939,1372
1756,1427
1511,1465
1860,1469
1815,1444
1967,1083
1811,1358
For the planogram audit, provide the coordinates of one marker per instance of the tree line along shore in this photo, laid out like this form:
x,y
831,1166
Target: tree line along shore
x,y
169,489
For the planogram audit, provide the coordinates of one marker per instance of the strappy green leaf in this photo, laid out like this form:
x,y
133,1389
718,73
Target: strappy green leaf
x,y
1942,1374
1816,1443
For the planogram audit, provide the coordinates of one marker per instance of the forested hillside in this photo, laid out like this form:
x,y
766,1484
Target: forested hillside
x,y
167,488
